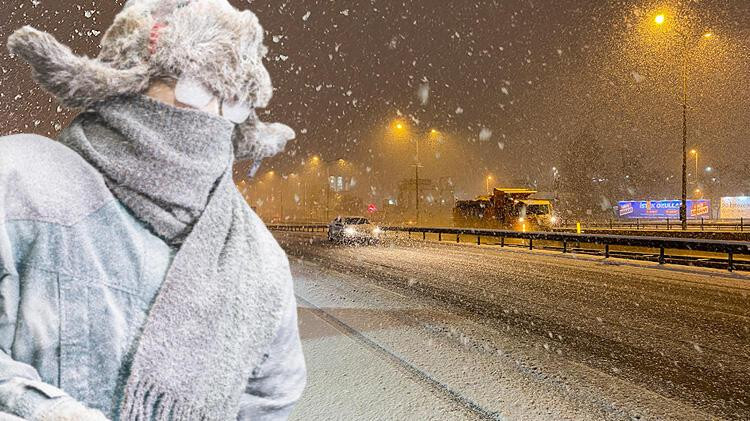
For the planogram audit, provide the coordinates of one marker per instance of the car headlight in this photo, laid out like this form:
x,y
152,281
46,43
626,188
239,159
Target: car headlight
x,y
350,231
522,219
377,231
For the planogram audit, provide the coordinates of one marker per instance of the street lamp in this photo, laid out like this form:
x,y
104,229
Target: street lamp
x,y
316,160
295,194
694,152
401,128
270,177
660,19
281,199
487,184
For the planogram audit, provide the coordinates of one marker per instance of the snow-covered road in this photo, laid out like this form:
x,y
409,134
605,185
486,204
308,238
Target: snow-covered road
x,y
412,330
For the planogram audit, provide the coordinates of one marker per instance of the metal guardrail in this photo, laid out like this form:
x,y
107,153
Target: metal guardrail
x,y
299,227
737,225
730,248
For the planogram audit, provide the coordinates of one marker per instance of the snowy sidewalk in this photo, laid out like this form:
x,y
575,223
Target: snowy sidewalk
x,y
349,380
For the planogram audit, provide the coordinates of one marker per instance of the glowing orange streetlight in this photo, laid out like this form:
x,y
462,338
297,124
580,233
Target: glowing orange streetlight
x,y
660,19
401,127
316,160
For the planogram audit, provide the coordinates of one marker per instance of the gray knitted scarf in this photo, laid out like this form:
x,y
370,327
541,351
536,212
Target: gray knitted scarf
x,y
221,301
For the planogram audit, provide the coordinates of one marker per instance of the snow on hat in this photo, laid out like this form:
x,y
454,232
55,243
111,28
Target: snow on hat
x,y
208,41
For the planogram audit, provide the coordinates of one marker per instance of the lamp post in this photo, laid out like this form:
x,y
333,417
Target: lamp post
x,y
660,19
281,200
400,127
317,160
683,205
304,198
694,152
270,177
294,212
416,182
328,192
487,184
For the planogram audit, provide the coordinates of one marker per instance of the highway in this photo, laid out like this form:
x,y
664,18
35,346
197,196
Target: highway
x,y
468,332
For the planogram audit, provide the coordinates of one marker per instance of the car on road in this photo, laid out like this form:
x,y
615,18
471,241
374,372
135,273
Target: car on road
x,y
353,229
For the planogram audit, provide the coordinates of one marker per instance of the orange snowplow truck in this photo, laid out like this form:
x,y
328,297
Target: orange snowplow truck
x,y
506,208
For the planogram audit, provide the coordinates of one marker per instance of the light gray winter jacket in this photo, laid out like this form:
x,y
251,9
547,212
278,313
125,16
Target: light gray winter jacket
x,y
78,274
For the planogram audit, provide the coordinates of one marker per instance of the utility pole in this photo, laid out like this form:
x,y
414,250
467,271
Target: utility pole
x,y
328,192
281,202
416,182
304,198
342,162
400,127
272,205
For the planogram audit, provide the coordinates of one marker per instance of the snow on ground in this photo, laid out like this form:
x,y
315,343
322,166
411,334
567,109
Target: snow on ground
x,y
348,380
522,335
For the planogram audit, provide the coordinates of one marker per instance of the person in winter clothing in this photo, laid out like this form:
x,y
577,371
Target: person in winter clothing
x,y
135,282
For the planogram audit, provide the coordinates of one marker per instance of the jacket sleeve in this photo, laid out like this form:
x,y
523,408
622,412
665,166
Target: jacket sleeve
x,y
276,386
22,392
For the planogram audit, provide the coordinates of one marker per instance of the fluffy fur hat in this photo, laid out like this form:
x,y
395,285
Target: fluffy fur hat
x,y
207,40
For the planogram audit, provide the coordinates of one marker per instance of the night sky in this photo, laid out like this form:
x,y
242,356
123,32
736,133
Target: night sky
x,y
509,84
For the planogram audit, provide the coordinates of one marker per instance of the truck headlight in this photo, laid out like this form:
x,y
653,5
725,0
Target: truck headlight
x,y
553,220
350,231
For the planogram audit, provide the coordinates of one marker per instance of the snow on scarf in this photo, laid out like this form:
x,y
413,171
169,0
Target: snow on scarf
x,y
221,301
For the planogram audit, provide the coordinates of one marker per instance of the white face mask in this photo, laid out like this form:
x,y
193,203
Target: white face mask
x,y
236,112
191,92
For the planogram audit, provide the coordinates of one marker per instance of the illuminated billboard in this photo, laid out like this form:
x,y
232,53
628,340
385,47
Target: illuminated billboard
x,y
663,209
735,207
